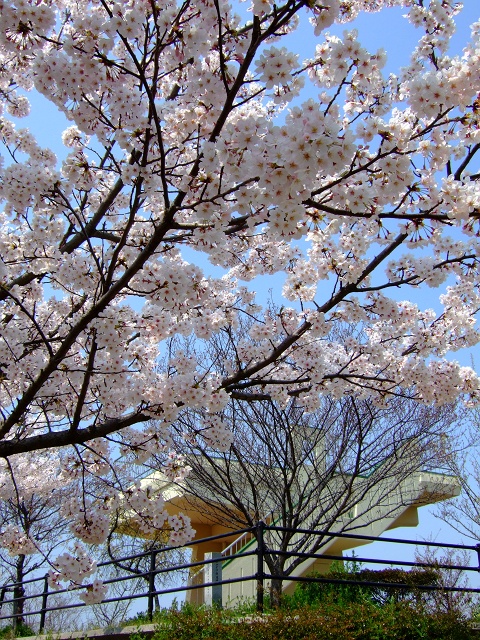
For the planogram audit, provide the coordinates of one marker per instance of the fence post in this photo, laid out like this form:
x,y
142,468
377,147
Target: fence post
x,y
260,556
151,582
213,574
43,611
477,547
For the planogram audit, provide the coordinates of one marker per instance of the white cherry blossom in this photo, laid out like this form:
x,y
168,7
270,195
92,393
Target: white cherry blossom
x,y
196,161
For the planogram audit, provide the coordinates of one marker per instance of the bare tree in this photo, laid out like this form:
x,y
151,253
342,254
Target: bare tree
x,y
131,554
463,513
345,465
446,600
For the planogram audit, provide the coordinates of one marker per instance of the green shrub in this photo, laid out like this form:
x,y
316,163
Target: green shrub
x,y
328,621
323,611
22,631
314,593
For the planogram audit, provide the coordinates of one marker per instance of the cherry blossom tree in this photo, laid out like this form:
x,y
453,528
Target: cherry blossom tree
x,y
196,128
32,523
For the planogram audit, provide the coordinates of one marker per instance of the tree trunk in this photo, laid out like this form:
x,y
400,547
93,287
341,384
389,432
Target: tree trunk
x,y
276,566
19,593
276,592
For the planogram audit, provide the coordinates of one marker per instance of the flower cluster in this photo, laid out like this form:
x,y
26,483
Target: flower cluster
x,y
275,66
16,542
181,531
73,567
147,509
95,592
216,432
91,522
175,467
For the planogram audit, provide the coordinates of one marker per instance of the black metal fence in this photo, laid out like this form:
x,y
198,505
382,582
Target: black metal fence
x,y
34,594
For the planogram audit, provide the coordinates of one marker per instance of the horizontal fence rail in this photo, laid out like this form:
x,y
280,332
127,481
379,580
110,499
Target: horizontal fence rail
x,y
16,593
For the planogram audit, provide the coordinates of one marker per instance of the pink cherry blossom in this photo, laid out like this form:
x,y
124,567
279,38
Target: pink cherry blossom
x,y
202,156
